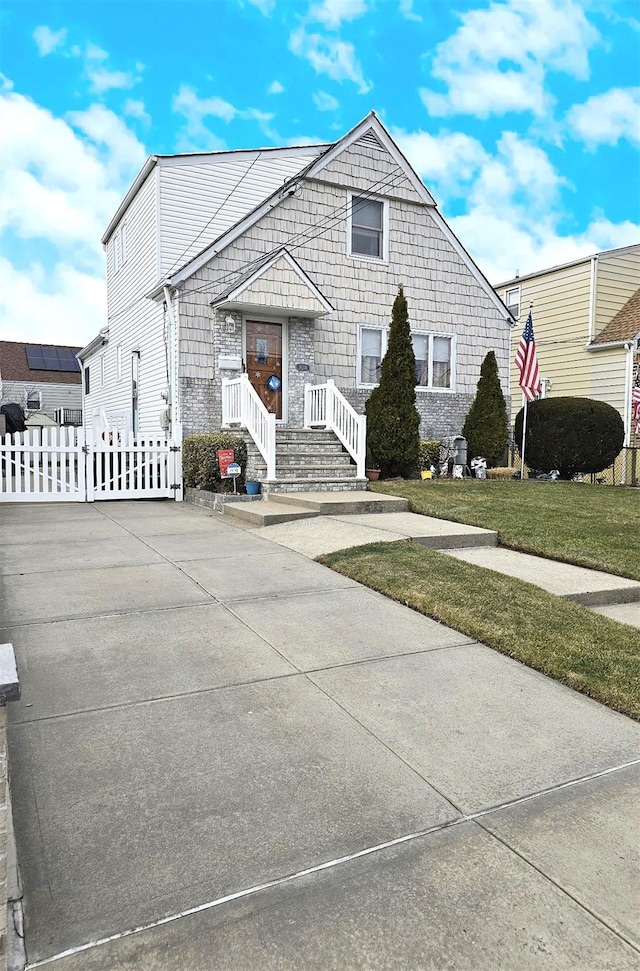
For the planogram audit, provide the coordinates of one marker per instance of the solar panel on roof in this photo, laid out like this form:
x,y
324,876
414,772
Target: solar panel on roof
x,y
41,358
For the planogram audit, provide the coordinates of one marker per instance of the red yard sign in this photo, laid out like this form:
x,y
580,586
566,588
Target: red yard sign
x,y
225,458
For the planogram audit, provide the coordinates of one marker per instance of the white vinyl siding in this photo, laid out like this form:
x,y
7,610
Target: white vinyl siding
x,y
201,199
131,277
141,328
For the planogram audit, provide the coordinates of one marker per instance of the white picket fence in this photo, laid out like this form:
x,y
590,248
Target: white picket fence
x,y
72,465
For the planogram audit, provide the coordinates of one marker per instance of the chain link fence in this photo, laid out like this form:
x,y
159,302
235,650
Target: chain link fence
x,y
624,471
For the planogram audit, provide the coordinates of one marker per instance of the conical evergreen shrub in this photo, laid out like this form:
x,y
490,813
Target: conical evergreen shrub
x,y
393,421
486,427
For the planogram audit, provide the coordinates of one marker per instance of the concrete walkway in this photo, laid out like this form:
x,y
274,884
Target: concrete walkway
x,y
265,765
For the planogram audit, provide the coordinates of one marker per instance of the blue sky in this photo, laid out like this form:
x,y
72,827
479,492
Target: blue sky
x,y
521,116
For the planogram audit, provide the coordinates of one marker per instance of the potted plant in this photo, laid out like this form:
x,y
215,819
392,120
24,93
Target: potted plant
x,y
371,470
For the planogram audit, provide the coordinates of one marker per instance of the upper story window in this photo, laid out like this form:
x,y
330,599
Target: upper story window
x,y
434,353
119,247
512,300
368,228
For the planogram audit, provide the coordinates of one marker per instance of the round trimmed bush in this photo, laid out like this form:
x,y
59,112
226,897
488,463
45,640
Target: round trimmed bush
x,y
570,435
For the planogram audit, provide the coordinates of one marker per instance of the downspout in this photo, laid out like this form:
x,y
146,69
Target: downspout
x,y
172,352
628,379
592,299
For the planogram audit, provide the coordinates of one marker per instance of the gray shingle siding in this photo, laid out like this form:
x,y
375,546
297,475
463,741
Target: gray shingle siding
x,y
443,296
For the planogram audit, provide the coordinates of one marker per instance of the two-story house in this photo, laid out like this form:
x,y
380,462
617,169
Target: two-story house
x,y
586,317
44,379
261,275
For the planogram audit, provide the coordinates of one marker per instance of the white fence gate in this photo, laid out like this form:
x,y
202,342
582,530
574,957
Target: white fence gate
x,y
71,465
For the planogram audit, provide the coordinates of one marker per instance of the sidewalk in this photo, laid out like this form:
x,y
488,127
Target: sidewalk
x,y
289,769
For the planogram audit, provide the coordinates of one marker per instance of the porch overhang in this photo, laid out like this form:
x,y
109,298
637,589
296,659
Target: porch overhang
x,y
279,286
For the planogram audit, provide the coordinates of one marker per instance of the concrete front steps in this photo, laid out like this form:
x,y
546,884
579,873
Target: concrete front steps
x,y
307,460
276,507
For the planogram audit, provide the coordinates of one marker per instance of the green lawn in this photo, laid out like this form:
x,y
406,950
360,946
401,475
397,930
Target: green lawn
x,y
586,651
593,526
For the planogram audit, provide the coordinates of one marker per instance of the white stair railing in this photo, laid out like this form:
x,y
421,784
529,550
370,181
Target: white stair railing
x,y
242,406
325,406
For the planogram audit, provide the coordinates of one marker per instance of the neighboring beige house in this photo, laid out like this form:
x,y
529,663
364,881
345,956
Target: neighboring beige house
x,y
279,268
44,379
586,320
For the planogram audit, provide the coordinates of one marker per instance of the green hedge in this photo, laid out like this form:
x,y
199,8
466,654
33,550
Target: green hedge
x,y
428,454
571,435
200,463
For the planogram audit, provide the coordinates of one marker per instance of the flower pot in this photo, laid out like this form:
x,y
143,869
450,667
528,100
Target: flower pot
x,y
372,474
253,488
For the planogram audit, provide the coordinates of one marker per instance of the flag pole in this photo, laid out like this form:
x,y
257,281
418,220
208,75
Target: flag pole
x,y
524,432
524,419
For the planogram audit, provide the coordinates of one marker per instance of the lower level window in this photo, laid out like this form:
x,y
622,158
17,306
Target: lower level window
x,y
373,344
434,354
434,360
34,401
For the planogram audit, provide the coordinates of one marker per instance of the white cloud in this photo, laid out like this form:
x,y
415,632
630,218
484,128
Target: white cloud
x,y
266,7
57,304
513,218
275,88
498,58
606,118
48,40
325,102
450,160
332,13
135,108
329,56
196,135
100,77
63,179
407,11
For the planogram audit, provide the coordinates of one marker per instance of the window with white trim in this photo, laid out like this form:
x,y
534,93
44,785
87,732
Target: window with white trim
x,y
434,360
373,346
512,300
367,233
434,353
34,400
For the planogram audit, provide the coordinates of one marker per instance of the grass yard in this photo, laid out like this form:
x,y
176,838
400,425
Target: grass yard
x,y
562,639
592,526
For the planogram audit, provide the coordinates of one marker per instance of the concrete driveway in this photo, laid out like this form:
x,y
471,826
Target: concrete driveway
x,y
228,757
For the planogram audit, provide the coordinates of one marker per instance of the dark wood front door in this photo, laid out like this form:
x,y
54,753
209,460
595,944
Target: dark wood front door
x,y
264,362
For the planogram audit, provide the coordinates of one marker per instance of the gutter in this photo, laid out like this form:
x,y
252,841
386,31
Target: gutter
x,y
100,340
133,190
592,297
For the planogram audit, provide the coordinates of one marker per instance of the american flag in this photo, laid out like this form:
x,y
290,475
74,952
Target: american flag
x,y
635,402
527,362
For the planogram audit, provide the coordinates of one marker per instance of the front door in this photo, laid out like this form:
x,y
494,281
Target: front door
x,y
264,362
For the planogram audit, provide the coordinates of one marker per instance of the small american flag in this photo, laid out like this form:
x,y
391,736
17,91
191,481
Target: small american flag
x,y
635,402
527,362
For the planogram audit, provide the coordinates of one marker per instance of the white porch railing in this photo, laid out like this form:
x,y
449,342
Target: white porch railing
x,y
325,405
241,405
